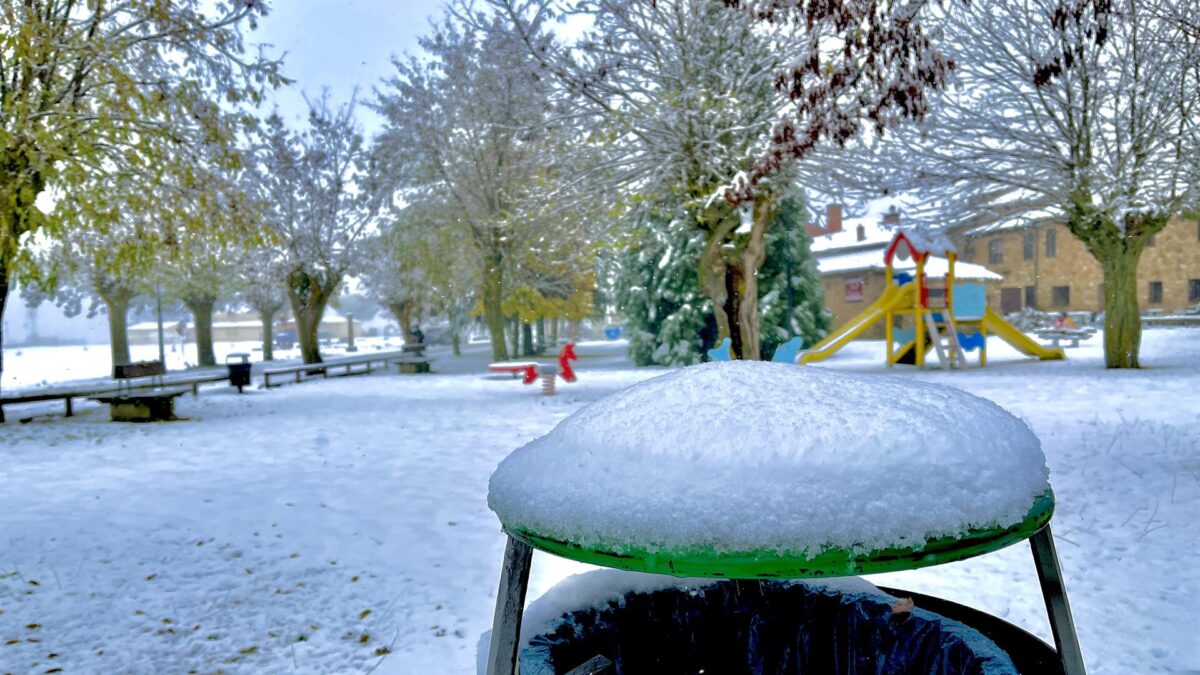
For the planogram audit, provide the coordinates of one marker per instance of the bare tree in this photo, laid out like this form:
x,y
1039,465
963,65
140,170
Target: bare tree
x,y
468,125
318,184
260,275
1067,113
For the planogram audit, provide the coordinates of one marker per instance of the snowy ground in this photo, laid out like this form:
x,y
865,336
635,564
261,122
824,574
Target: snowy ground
x,y
341,525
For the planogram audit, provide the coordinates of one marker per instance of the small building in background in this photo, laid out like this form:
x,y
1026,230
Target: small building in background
x,y
237,327
333,326
146,332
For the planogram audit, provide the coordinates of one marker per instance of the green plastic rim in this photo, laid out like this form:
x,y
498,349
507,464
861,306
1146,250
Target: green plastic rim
x,y
834,562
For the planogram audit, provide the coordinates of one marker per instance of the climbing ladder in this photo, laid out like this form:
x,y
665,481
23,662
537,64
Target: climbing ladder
x,y
950,353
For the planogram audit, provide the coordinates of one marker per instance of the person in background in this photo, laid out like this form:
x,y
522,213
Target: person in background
x,y
418,336
1065,322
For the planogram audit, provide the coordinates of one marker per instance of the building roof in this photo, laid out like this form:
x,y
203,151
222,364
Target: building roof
x,y
153,325
876,236
1022,221
863,261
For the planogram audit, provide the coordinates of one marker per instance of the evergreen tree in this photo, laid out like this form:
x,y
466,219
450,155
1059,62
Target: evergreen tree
x,y
788,252
669,320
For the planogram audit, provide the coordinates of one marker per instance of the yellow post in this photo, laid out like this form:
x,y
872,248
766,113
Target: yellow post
x,y
919,311
889,321
983,349
950,258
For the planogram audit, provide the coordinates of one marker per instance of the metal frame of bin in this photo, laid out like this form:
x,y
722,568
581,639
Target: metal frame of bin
x,y
518,558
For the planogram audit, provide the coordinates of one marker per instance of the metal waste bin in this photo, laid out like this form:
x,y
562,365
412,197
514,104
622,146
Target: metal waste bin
x,y
783,627
239,370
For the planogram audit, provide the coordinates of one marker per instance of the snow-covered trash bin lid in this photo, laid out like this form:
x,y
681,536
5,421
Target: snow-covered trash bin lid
x,y
750,469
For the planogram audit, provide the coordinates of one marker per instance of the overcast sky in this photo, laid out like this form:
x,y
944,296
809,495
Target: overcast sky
x,y
341,44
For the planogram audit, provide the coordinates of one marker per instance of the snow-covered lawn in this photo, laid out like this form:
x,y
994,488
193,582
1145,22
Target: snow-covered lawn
x,y
341,525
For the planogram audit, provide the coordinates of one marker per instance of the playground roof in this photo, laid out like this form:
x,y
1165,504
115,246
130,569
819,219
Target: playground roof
x,y
919,242
873,260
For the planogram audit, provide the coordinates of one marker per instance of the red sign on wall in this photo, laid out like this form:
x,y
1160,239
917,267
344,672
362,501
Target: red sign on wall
x,y
854,289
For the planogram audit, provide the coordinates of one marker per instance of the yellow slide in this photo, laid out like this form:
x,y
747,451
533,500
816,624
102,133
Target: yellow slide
x,y
995,324
893,298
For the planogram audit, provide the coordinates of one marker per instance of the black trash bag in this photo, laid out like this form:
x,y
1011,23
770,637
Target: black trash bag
x,y
762,628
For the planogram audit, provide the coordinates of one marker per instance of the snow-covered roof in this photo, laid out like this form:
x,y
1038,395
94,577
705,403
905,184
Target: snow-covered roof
x,y
1035,218
929,241
153,325
808,460
875,234
873,260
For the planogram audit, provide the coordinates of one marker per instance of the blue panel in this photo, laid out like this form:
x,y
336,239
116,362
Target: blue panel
x,y
970,301
786,352
721,351
903,335
971,341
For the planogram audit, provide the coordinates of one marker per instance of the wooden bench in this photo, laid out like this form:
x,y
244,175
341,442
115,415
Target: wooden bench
x,y
416,348
68,393
141,402
411,364
1071,335
349,365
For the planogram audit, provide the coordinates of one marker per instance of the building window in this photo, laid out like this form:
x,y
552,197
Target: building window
x,y
996,251
1193,290
1031,297
854,289
1060,296
1030,245
969,251
1051,243
1156,292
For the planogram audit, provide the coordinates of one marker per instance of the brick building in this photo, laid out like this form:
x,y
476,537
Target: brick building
x,y
1045,267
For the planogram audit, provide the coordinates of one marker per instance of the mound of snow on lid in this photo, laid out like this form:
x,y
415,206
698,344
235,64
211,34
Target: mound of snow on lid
x,y
750,456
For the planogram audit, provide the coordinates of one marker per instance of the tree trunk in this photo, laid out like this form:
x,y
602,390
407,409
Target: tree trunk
x,y
750,260
554,332
117,306
308,299
3,304
1122,320
515,325
202,312
308,324
455,344
493,292
403,313
268,333
715,283
527,348
730,280
575,326
541,334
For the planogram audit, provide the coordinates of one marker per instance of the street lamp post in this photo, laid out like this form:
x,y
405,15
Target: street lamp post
x,y
162,352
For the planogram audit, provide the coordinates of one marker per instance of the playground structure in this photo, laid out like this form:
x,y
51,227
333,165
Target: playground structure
x,y
529,371
941,316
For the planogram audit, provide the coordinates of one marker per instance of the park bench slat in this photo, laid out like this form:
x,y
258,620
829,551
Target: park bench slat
x,y
345,363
